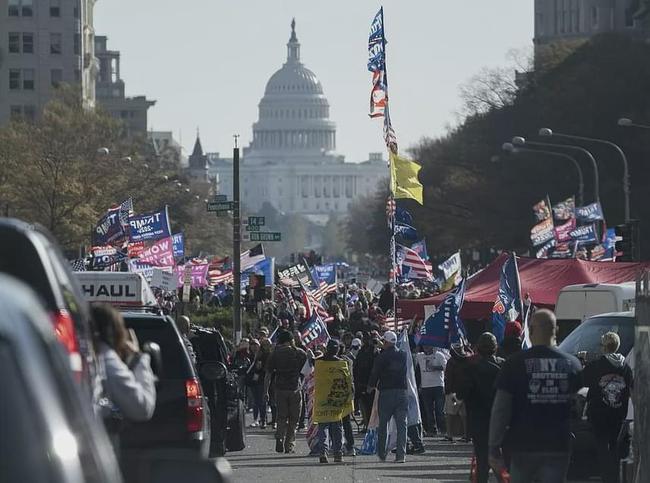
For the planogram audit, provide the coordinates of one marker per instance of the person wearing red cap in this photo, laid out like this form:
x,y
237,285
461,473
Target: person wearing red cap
x,y
511,343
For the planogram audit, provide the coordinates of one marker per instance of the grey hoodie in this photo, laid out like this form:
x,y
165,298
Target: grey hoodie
x,y
617,360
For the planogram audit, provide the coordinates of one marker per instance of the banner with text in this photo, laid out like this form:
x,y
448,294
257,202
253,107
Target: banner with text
x,y
150,226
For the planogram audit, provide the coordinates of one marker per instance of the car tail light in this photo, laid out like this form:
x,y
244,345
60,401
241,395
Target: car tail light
x,y
65,332
194,406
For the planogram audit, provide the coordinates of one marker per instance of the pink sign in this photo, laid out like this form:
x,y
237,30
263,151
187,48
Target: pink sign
x,y
160,254
562,232
199,274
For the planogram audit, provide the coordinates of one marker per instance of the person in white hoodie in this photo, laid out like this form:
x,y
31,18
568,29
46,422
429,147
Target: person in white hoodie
x,y
128,382
609,381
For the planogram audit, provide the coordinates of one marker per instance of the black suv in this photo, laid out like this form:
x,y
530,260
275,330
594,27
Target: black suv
x,y
181,418
222,389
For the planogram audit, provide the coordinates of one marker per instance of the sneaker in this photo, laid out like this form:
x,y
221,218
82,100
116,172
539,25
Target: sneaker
x,y
253,424
350,452
417,450
279,446
262,425
400,460
323,459
289,450
338,458
274,426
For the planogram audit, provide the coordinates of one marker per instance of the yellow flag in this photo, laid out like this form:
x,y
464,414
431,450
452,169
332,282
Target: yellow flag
x,y
333,397
404,178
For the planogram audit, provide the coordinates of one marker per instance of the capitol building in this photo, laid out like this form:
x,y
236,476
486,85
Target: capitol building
x,y
291,161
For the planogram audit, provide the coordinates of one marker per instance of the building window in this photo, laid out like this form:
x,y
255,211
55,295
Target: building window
x,y
14,11
55,8
14,79
348,187
26,9
304,186
29,113
28,79
16,8
76,39
22,113
56,77
317,186
594,17
14,43
16,112
75,12
55,44
28,43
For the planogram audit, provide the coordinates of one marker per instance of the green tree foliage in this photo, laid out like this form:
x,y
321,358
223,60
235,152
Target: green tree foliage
x,y
471,201
55,172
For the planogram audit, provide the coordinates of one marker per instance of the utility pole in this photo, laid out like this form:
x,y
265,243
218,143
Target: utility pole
x,y
236,245
641,392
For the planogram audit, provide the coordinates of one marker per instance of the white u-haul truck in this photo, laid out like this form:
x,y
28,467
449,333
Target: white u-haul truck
x,y
121,289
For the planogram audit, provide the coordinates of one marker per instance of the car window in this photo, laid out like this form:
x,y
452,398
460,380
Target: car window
x,y
176,364
24,449
587,336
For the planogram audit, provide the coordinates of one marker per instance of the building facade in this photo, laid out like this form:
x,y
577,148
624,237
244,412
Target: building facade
x,y
110,92
578,20
44,44
291,161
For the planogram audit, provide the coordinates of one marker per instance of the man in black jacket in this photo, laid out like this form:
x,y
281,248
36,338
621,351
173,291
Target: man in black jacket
x,y
477,389
361,371
609,381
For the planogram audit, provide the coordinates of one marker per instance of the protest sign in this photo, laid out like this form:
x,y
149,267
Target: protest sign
x,y
150,226
333,396
160,254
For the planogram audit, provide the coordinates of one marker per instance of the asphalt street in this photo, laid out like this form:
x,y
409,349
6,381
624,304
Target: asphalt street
x,y
443,462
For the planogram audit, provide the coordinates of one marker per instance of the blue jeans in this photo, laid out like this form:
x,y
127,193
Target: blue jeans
x,y
434,408
542,467
335,431
393,403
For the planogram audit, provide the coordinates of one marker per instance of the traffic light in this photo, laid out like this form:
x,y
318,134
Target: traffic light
x,y
628,242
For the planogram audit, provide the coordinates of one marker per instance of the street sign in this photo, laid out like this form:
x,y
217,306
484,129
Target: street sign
x,y
220,205
257,220
222,212
266,236
220,198
253,228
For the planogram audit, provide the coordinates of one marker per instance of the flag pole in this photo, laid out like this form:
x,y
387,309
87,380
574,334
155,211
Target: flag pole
x,y
236,247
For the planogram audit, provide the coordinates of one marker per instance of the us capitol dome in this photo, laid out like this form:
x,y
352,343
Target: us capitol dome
x,y
291,161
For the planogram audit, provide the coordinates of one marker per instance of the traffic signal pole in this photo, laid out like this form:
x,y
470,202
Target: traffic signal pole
x,y
236,246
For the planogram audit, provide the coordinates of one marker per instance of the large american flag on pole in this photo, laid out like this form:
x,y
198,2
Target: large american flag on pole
x,y
411,265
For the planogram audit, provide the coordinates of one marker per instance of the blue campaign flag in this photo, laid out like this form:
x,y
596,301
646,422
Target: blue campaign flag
x,y
324,273
109,229
150,226
610,244
509,296
420,247
376,41
178,241
444,327
406,231
585,234
314,332
592,212
403,216
264,267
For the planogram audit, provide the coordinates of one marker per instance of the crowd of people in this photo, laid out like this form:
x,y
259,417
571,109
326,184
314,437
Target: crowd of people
x,y
514,405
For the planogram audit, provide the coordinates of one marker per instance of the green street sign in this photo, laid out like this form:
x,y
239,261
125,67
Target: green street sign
x,y
220,206
222,212
266,236
253,228
220,198
256,220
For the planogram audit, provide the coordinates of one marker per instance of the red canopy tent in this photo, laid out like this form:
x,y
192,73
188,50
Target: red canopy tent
x,y
541,278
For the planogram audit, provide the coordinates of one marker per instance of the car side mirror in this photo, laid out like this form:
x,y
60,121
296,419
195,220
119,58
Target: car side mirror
x,y
155,353
212,371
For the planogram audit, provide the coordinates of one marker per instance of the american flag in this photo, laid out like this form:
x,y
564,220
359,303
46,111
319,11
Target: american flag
x,y
417,267
248,260
389,323
312,304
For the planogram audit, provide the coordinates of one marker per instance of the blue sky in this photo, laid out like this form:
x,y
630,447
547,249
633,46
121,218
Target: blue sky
x,y
206,62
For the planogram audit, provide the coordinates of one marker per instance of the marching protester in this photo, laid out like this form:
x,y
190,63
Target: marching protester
x,y
609,380
389,378
532,407
255,382
285,364
477,390
331,429
431,364
349,354
362,369
511,343
129,391
455,414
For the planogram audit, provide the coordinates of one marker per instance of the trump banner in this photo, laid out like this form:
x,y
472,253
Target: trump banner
x,y
179,244
589,213
585,234
199,275
333,394
508,297
563,232
150,226
108,229
565,210
159,254
542,232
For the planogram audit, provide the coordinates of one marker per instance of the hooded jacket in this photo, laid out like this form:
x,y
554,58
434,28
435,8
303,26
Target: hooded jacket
x,y
609,381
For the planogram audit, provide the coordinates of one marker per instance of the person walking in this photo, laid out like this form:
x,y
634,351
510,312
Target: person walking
x,y
477,390
255,382
609,380
362,368
285,363
455,413
334,428
532,407
389,377
431,364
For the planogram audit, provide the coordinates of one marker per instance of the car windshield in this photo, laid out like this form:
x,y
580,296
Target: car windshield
x,y
586,337
161,331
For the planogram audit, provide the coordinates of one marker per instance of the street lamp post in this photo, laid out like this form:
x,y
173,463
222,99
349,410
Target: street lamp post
x,y
546,132
520,142
509,147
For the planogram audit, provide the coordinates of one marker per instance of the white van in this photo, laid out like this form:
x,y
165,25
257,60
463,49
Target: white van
x,y
577,302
